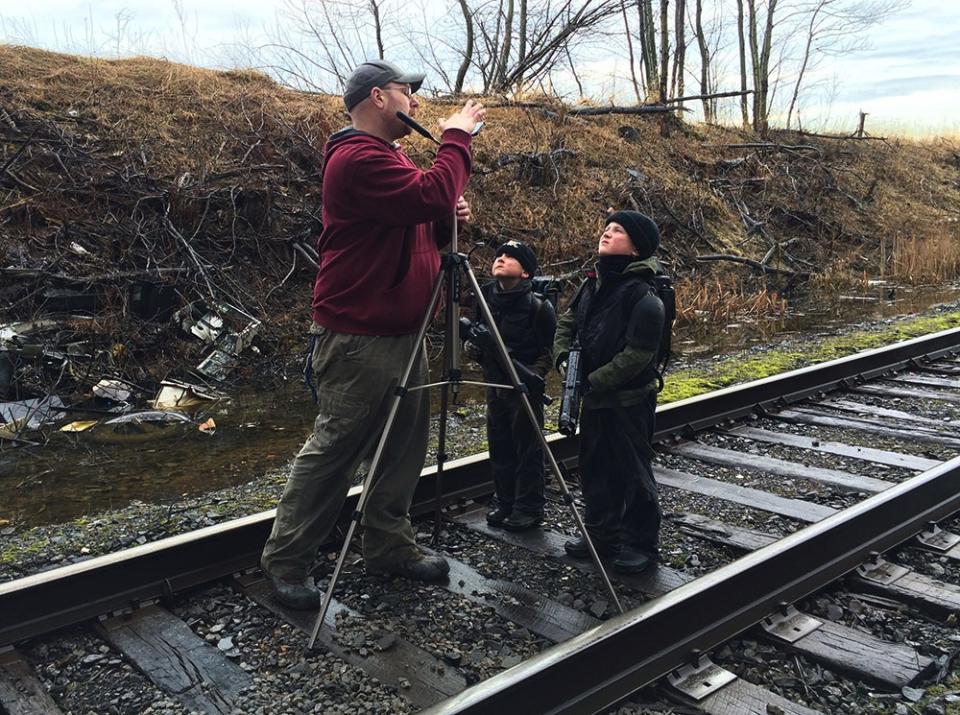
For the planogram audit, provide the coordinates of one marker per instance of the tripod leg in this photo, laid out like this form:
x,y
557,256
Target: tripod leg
x,y
441,458
399,394
507,364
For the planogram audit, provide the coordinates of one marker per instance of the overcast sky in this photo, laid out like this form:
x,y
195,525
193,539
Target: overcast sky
x,y
909,79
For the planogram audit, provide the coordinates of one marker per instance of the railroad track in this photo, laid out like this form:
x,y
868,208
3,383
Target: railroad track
x,y
877,420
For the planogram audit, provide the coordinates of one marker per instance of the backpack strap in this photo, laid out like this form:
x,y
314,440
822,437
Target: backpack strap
x,y
536,305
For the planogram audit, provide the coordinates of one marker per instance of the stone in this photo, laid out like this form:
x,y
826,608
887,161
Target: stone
x,y
225,644
386,641
510,661
834,612
911,694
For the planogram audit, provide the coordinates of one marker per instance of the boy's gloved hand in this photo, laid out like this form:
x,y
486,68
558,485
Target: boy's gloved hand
x,y
473,351
561,363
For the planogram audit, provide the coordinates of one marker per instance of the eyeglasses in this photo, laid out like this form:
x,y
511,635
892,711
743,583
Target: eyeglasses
x,y
405,91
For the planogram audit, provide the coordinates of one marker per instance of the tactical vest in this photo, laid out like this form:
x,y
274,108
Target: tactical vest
x,y
516,317
602,319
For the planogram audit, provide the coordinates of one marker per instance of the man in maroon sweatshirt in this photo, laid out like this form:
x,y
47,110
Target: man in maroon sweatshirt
x,y
384,221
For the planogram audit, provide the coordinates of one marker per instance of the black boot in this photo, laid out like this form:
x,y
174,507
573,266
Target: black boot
x,y
419,567
299,595
578,549
497,515
632,560
521,521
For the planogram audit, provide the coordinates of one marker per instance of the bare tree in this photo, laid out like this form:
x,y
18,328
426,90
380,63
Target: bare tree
x,y
835,27
467,50
551,32
743,66
648,45
664,49
760,45
679,49
708,106
377,27
633,61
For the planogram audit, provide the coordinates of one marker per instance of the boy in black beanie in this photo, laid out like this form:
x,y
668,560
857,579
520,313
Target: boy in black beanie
x,y
527,325
618,319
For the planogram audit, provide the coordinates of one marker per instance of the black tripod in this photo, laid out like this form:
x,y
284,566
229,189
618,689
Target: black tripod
x,y
453,267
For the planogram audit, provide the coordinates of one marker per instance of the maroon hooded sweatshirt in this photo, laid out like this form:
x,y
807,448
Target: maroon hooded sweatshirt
x,y
383,223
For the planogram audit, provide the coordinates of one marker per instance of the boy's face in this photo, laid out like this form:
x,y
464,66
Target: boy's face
x,y
615,241
505,266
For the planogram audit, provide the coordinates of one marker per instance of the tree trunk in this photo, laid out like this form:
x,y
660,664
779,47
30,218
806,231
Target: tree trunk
x,y
704,63
648,46
803,65
505,47
377,28
745,113
522,38
765,66
664,48
633,70
755,63
468,50
680,49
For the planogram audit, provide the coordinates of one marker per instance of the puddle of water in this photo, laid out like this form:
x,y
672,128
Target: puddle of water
x,y
815,314
259,430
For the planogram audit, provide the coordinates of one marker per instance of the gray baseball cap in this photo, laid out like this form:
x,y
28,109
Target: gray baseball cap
x,y
376,73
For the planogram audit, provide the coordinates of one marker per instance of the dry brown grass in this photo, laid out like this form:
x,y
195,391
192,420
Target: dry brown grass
x,y
721,299
927,261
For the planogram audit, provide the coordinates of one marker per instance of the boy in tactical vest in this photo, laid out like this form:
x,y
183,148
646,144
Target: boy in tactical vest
x,y
527,324
618,319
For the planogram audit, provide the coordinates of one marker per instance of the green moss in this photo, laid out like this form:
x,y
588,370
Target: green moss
x,y
735,369
24,551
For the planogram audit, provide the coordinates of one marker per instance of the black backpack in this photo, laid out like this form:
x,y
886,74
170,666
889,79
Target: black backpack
x,y
662,286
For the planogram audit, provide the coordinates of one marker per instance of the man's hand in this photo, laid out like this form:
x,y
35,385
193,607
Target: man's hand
x,y
463,210
466,119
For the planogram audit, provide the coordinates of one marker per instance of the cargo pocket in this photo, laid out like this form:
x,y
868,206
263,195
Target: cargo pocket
x,y
341,421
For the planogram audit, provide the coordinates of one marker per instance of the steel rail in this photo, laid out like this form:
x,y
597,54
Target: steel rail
x,y
595,670
37,604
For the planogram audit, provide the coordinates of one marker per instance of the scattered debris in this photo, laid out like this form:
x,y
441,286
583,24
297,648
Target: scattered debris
x,y
28,415
228,328
139,427
113,390
183,396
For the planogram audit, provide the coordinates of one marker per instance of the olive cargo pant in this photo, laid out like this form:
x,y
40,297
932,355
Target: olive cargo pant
x,y
355,376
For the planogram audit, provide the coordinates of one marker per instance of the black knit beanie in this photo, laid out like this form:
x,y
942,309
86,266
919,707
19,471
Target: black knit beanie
x,y
642,230
523,253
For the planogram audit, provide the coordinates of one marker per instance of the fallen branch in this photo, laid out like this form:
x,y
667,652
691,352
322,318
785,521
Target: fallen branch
x,y
756,265
642,109
97,278
852,137
715,95
770,145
